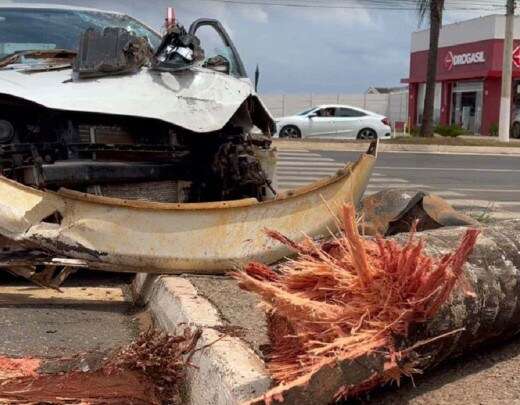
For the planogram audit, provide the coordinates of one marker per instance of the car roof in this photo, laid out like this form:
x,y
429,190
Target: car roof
x,y
47,6
337,106
346,106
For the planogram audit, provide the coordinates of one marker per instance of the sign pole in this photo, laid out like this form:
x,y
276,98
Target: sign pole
x,y
507,75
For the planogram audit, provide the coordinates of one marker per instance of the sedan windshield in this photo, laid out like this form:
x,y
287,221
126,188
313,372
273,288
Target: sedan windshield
x,y
42,29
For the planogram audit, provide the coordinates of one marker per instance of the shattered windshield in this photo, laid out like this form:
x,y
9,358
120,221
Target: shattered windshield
x,y
40,29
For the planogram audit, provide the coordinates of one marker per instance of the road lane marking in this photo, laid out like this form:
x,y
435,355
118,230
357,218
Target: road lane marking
x,y
449,169
399,186
295,150
485,190
483,203
388,180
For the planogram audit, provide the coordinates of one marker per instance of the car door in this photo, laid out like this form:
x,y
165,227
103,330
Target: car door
x,y
321,123
348,122
218,47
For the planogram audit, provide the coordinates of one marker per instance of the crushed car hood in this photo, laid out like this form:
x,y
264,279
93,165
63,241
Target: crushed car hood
x,y
199,100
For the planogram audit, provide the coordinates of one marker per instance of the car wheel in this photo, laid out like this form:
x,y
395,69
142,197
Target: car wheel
x,y
290,131
367,133
515,130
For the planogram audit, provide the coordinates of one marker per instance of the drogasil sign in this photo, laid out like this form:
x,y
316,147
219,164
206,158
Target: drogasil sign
x,y
470,58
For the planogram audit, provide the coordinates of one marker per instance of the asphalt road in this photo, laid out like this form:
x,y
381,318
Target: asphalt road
x,y
91,318
93,314
472,183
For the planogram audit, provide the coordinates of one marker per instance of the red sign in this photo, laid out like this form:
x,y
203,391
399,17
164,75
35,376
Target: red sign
x,y
448,61
516,57
469,58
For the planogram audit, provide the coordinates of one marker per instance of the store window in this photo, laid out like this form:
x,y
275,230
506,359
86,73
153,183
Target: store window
x,y
467,102
436,106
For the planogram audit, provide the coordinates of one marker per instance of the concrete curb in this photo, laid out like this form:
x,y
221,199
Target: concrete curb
x,y
357,146
227,371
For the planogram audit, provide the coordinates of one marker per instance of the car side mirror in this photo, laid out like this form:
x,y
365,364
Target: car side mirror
x,y
311,116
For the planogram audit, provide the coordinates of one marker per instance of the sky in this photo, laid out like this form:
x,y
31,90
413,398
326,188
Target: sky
x,y
299,50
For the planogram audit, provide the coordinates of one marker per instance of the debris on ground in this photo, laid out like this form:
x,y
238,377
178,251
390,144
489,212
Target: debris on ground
x,y
93,388
15,368
161,357
345,299
394,211
151,370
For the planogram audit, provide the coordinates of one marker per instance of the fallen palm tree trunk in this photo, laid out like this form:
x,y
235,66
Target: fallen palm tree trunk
x,y
149,371
352,314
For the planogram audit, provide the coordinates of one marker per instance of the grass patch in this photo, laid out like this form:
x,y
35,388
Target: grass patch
x,y
451,131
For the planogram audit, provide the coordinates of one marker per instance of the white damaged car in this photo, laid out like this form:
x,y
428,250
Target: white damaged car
x,y
122,150
98,102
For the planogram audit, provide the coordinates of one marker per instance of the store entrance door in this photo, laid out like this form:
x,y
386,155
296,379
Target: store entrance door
x,y
467,106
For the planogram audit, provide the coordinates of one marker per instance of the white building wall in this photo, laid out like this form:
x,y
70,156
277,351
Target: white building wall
x,y
475,30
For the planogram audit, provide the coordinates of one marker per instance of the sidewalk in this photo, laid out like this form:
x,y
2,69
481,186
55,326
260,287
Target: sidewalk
x,y
361,146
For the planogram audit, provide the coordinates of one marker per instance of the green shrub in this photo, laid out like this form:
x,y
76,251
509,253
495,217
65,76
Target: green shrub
x,y
493,130
415,131
451,131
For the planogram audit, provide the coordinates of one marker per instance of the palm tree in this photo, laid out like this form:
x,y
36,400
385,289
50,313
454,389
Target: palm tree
x,y
433,9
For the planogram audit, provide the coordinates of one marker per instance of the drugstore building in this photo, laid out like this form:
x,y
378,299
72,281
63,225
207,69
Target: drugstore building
x,y
469,72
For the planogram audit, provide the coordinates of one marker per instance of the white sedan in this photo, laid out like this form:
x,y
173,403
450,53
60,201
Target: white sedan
x,y
334,121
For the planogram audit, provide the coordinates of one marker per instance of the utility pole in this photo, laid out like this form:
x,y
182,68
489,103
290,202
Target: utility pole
x,y
507,75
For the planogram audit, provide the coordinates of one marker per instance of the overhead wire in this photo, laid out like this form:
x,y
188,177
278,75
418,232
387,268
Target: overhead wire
x,y
396,5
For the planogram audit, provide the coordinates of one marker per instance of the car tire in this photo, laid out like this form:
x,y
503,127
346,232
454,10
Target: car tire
x,y
290,131
515,130
367,133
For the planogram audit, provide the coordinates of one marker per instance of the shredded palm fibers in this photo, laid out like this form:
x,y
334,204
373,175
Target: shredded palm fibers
x,y
347,298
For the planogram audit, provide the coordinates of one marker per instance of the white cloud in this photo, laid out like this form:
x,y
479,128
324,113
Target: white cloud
x,y
222,11
254,13
359,16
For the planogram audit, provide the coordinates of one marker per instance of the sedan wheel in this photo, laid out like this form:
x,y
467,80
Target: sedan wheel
x,y
367,133
290,131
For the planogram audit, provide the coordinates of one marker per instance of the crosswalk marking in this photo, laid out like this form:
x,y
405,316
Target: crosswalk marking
x,y
294,154
298,168
303,179
307,164
306,171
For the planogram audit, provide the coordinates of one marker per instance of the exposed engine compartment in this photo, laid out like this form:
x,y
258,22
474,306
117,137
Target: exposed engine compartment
x,y
131,157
